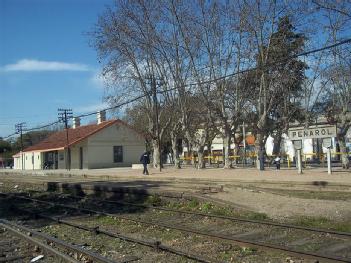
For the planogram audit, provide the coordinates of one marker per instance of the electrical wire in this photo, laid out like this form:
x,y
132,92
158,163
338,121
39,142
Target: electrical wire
x,y
306,53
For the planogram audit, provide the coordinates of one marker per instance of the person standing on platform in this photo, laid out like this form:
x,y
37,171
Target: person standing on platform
x,y
262,158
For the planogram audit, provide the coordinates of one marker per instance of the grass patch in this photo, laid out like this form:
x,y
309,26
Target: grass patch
x,y
106,220
322,222
153,200
206,207
308,194
246,251
257,216
210,208
193,203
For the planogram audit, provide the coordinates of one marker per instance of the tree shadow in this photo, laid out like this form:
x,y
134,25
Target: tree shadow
x,y
84,195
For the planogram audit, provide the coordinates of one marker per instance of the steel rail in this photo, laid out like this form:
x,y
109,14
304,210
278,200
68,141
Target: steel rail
x,y
312,229
98,258
96,230
339,233
10,227
198,232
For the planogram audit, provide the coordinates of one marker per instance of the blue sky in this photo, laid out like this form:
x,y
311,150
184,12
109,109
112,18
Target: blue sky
x,y
46,61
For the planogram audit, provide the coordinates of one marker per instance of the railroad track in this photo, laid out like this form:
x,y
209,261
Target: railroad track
x,y
15,249
154,244
333,241
35,238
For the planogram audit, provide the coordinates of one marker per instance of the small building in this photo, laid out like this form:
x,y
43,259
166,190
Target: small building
x,y
111,143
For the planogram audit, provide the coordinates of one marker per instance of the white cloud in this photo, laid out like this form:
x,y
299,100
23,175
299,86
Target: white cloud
x,y
38,65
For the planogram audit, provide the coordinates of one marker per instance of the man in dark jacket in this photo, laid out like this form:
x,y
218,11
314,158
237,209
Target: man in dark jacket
x,y
145,160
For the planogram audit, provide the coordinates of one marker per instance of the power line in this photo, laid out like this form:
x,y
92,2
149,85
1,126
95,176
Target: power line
x,y
275,63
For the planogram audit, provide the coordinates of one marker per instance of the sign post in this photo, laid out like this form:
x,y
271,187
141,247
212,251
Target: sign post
x,y
327,143
297,134
298,147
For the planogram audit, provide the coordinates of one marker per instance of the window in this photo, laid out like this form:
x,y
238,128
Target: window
x,y
118,154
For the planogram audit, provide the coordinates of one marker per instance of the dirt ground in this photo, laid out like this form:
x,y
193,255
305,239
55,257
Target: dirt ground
x,y
279,194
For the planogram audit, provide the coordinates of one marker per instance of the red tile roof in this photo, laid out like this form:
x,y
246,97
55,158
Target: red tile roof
x,y
57,141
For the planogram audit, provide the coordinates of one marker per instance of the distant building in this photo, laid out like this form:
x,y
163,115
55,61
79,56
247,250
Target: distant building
x,y
106,144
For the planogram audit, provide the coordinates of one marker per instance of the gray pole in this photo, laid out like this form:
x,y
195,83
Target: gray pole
x,y
329,161
299,161
244,142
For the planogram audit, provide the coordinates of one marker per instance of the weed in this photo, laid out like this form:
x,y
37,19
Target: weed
x,y
154,200
206,207
193,203
222,211
107,220
257,216
322,222
245,251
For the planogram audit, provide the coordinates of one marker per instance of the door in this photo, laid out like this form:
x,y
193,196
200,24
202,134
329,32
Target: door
x,y
80,157
56,159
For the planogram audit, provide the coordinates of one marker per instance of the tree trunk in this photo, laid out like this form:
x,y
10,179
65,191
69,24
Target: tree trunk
x,y
236,153
277,143
209,151
155,155
201,159
344,156
175,151
226,145
259,150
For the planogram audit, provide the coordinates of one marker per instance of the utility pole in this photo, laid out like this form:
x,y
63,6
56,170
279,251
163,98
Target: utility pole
x,y
63,116
19,130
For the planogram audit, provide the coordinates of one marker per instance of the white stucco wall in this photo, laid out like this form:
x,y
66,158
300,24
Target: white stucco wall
x,y
100,147
32,161
17,163
75,155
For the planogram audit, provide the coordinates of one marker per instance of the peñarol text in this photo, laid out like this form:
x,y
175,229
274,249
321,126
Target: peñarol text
x,y
312,132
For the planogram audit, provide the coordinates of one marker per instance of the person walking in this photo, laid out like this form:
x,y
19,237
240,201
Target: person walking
x,y
262,158
145,160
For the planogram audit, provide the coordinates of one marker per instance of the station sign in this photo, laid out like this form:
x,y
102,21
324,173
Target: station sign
x,y
299,133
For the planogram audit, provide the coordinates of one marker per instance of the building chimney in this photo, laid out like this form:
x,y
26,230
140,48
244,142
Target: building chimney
x,y
76,122
101,116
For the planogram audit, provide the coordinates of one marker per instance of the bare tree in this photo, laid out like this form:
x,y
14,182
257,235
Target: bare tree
x,y
126,39
337,102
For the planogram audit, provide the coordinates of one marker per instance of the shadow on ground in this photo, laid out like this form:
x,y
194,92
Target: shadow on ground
x,y
83,195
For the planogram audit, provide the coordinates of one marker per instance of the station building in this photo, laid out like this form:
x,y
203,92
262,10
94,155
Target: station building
x,y
311,148
109,143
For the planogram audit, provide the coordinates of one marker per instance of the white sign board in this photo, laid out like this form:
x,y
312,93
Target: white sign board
x,y
327,143
297,144
312,132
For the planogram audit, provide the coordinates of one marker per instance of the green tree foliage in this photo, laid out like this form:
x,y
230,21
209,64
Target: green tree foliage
x,y
5,146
